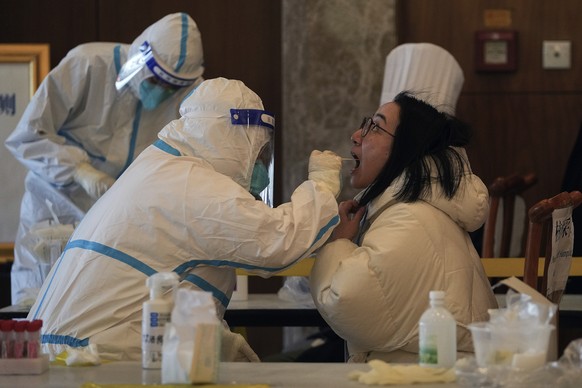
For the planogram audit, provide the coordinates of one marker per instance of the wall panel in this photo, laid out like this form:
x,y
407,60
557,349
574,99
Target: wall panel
x,y
525,120
62,23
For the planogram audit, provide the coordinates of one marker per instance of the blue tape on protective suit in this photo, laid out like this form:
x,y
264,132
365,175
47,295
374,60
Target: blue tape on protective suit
x,y
252,117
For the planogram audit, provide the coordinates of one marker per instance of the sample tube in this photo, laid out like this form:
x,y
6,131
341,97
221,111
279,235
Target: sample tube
x,y
19,339
6,328
33,338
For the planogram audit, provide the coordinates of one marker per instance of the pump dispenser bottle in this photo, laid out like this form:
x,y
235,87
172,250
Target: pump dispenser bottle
x,y
437,334
156,312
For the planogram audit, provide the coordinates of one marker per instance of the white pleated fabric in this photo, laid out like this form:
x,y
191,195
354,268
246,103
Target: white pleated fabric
x,y
427,70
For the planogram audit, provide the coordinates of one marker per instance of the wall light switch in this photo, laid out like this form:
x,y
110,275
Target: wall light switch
x,y
556,54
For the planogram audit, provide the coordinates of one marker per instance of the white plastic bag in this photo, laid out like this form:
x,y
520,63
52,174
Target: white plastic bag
x,y
192,340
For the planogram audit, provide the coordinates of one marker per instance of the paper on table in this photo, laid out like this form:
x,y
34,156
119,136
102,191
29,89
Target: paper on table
x,y
562,248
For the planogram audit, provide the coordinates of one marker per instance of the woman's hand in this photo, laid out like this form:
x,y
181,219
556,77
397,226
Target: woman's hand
x,y
350,214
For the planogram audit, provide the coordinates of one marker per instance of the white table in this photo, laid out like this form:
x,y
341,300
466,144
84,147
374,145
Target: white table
x,y
270,310
272,374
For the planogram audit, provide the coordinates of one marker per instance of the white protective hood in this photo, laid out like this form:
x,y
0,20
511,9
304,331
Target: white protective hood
x,y
205,129
427,70
177,46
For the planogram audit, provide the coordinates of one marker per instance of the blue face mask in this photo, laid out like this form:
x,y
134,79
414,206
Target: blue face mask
x,y
152,95
260,179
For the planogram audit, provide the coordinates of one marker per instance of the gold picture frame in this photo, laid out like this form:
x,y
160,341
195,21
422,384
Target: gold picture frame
x,y
36,57
22,69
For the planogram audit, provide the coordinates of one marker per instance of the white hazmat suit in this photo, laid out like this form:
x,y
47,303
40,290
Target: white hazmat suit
x,y
182,206
79,133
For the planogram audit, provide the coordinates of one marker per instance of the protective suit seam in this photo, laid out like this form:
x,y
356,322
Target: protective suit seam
x,y
58,339
107,251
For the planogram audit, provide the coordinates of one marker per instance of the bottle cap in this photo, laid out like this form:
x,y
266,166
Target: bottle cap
x,y
20,326
34,325
6,325
160,282
435,295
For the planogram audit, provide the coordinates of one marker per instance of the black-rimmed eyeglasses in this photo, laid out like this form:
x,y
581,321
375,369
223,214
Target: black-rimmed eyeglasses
x,y
369,124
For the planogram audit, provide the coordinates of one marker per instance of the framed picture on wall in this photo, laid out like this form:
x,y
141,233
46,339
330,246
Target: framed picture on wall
x,y
22,68
496,51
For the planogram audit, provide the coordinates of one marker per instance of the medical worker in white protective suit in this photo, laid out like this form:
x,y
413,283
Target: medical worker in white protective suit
x,y
82,129
186,204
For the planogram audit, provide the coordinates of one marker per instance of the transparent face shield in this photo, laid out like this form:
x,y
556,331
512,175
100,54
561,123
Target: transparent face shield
x,y
146,58
263,173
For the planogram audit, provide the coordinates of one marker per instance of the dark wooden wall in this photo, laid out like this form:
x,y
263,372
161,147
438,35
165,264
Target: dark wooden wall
x,y
241,40
525,120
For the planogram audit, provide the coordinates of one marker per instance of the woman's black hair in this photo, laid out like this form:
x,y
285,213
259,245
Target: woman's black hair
x,y
423,134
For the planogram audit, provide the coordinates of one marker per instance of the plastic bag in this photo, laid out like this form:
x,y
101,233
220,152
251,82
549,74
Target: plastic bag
x,y
46,242
296,289
191,347
564,373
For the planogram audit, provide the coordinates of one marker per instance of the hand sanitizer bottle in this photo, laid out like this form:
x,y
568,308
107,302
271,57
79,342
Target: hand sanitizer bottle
x,y
437,334
156,312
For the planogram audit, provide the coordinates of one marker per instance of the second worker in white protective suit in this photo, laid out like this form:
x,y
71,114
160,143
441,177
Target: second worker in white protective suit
x,y
187,204
93,113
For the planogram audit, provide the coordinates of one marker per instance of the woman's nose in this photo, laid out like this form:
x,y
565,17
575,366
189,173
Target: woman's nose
x,y
356,138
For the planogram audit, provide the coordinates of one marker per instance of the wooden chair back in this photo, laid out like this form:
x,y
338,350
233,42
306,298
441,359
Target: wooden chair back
x,y
504,188
540,221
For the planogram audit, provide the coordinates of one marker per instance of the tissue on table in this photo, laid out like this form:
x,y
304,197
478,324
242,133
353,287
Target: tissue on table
x,y
191,348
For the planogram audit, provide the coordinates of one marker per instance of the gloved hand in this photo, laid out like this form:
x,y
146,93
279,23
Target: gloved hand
x,y
95,182
235,348
325,169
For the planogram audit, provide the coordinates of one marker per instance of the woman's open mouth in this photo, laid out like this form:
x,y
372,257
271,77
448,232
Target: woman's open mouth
x,y
357,160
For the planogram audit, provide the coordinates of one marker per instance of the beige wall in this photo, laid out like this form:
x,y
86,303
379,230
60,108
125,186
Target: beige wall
x,y
333,65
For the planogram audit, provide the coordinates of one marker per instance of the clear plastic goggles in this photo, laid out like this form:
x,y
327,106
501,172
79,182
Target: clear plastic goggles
x,y
257,117
147,58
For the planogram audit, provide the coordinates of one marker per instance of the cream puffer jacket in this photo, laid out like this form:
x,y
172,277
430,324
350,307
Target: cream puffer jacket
x,y
373,295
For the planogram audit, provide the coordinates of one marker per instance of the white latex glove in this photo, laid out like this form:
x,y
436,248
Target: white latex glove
x,y
84,356
325,169
383,373
235,348
95,182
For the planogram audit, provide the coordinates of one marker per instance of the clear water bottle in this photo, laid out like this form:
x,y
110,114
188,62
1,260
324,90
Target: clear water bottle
x,y
437,334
